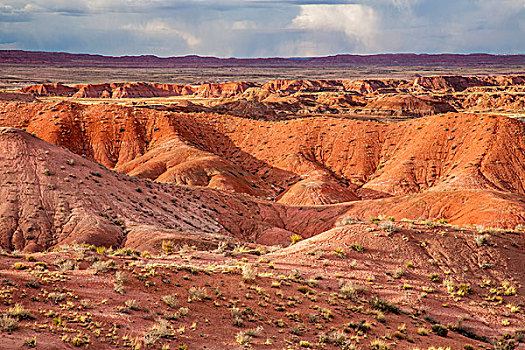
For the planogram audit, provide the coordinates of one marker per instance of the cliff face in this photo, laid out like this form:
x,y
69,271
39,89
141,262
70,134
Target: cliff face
x,y
284,99
56,89
138,90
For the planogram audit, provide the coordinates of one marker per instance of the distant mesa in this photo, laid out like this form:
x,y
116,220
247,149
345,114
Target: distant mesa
x,y
75,60
251,90
137,90
383,99
56,89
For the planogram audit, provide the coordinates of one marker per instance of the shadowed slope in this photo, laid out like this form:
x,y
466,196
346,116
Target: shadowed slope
x,y
53,196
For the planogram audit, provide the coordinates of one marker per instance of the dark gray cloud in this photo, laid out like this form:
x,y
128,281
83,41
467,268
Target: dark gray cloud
x,y
247,28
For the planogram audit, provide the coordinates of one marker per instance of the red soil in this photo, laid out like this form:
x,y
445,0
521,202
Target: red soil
x,y
263,159
192,174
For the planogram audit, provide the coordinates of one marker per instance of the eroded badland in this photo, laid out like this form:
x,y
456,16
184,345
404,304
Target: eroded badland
x,y
370,213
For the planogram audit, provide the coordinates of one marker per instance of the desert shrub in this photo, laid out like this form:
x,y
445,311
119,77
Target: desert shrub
x,y
326,314
183,311
221,247
30,342
66,265
340,253
506,288
388,226
19,312
440,330
379,345
348,220
374,220
86,303
304,289
120,280
19,266
242,338
295,238
295,275
296,330
159,330
56,297
434,277
519,227
170,300
361,326
8,323
383,305
101,266
132,304
336,338
351,291
398,273
357,247
121,277
305,344
505,344
422,331
79,340
464,289
255,332
483,239
197,294
167,247
449,285
313,318
237,317
249,272
240,249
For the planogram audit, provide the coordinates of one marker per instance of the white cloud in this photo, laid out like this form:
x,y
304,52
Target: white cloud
x,y
357,22
247,28
244,25
404,4
157,28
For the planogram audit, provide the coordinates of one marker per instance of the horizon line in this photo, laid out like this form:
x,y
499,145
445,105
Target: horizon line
x,y
271,57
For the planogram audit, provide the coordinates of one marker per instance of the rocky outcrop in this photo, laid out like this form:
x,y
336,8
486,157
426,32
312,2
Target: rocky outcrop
x,y
287,86
95,90
406,105
56,89
448,83
215,90
145,90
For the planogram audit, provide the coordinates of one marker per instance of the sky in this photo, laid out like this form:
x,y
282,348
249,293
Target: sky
x,y
263,28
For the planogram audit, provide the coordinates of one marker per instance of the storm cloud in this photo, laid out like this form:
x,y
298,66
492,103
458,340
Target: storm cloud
x,y
263,28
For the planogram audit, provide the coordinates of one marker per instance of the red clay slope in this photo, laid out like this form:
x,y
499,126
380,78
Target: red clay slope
x,y
455,150
52,196
461,152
